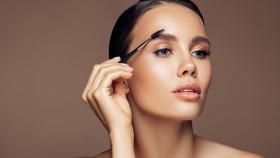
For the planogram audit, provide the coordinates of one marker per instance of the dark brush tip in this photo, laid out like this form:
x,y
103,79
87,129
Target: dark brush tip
x,y
156,34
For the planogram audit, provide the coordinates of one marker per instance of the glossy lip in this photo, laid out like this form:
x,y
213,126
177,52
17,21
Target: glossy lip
x,y
190,96
195,87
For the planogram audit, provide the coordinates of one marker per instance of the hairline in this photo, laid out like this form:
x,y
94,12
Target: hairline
x,y
131,34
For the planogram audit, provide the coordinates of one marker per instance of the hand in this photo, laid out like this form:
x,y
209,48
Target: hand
x,y
105,92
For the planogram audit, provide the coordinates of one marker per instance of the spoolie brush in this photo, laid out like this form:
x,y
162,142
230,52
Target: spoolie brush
x,y
153,36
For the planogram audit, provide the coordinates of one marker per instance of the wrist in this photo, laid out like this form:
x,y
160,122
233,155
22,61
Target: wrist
x,y
122,142
126,132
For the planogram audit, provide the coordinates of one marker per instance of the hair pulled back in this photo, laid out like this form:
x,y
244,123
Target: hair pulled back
x,y
121,34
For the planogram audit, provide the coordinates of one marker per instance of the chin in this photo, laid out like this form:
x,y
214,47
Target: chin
x,y
179,112
186,111
169,109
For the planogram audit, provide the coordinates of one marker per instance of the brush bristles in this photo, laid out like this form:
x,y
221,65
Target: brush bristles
x,y
156,34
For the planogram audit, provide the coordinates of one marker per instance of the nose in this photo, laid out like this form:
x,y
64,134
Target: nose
x,y
187,67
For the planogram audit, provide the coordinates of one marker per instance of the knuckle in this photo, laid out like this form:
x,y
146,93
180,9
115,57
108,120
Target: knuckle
x,y
102,70
92,98
95,93
96,66
84,97
89,96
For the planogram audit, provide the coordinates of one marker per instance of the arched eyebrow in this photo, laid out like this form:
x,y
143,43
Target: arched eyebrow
x,y
200,39
195,40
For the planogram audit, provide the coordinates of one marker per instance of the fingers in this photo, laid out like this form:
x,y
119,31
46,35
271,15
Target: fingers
x,y
111,72
93,74
117,74
100,81
102,84
89,83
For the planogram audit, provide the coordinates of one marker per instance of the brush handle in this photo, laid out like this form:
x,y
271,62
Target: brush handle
x,y
126,57
153,36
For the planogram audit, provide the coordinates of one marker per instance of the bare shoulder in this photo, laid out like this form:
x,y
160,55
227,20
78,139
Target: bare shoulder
x,y
209,148
104,154
246,154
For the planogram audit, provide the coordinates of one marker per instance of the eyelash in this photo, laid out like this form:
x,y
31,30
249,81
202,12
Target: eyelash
x,y
205,53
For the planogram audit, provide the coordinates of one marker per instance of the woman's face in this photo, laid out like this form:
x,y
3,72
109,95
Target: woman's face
x,y
166,63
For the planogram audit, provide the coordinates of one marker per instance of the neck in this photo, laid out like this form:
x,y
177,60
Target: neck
x,y
159,138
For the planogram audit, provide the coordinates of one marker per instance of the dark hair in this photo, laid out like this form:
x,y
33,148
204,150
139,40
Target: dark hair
x,y
121,34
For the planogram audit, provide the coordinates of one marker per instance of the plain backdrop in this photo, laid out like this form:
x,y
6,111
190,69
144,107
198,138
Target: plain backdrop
x,y
48,48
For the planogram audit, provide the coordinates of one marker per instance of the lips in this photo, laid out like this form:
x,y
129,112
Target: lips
x,y
188,87
188,92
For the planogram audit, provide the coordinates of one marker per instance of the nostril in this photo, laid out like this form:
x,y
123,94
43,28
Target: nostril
x,y
185,72
188,69
193,73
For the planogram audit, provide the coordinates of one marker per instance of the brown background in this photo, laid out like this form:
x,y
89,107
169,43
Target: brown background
x,y
47,50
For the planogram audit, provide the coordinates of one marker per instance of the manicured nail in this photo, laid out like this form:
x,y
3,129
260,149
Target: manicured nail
x,y
125,64
116,58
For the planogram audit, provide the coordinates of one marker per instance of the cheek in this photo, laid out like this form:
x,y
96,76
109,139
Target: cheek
x,y
149,84
152,83
204,76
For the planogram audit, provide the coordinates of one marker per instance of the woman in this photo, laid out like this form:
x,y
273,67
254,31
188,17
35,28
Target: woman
x,y
148,103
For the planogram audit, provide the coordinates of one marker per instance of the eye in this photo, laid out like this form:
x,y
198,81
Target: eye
x,y
164,52
201,53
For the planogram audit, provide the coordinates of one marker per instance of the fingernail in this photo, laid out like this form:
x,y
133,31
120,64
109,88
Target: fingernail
x,y
129,68
125,65
115,58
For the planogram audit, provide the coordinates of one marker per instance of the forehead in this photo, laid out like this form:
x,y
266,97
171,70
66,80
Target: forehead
x,y
175,19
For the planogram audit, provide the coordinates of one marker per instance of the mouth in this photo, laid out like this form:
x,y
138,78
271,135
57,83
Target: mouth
x,y
188,92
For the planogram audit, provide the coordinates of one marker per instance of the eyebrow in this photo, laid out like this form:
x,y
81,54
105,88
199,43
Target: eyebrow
x,y
195,40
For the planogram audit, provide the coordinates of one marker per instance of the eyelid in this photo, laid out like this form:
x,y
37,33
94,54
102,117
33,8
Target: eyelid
x,y
201,49
161,46
201,46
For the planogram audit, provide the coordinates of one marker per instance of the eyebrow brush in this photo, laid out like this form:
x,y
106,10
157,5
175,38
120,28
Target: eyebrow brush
x,y
153,36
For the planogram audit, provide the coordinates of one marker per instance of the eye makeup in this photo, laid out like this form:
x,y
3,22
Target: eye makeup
x,y
162,48
169,37
157,53
163,51
202,53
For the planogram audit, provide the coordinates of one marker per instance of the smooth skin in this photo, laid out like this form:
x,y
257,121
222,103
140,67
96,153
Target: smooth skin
x,y
143,118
